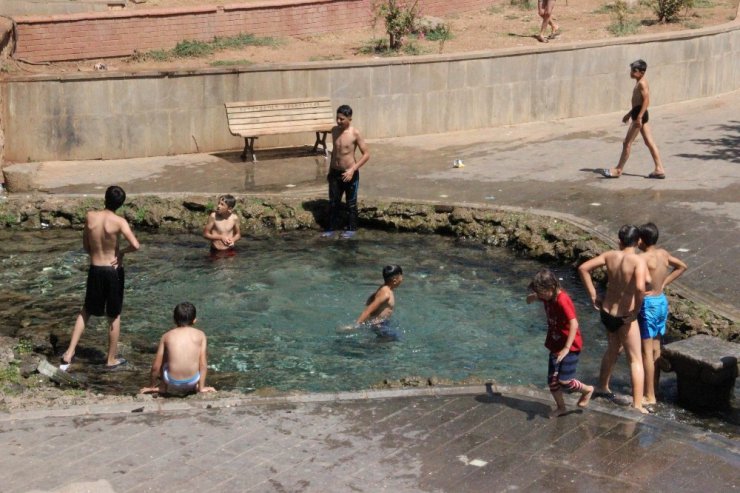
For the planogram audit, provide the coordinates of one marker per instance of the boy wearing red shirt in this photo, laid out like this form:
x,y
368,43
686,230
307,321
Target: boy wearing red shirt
x,y
563,340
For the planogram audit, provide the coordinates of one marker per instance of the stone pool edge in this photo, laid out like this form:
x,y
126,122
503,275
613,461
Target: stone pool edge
x,y
539,235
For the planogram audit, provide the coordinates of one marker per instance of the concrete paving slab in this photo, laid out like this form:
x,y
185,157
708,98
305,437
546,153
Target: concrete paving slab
x,y
456,441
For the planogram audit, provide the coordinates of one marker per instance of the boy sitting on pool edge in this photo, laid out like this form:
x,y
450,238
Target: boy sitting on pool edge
x,y
180,364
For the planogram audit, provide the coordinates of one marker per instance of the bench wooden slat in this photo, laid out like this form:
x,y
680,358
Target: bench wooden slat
x,y
278,102
273,107
279,119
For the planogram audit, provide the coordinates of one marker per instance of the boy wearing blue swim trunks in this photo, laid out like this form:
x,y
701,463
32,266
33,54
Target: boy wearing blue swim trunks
x,y
664,269
563,340
181,363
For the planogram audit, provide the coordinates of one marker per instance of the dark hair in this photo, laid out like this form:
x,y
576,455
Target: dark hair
x,y
184,314
345,110
629,235
649,234
229,200
640,65
114,197
543,281
391,271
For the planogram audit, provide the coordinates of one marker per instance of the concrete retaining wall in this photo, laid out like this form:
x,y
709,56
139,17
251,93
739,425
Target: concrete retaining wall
x,y
113,34
112,116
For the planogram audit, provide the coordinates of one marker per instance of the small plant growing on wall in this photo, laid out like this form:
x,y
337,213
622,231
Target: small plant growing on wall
x,y
399,17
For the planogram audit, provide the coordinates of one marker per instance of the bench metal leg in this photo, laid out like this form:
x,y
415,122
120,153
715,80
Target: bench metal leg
x,y
320,141
249,149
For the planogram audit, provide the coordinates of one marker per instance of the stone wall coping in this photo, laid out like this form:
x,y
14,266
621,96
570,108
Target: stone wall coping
x,y
401,60
165,11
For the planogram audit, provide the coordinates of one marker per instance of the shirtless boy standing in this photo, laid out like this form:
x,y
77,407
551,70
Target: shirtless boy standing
x,y
344,170
640,117
105,279
628,276
664,268
181,363
379,306
222,228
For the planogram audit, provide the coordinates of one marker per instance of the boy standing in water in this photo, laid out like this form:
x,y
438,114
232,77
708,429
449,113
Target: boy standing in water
x,y
379,306
181,362
563,340
664,269
628,276
640,117
344,170
105,279
222,228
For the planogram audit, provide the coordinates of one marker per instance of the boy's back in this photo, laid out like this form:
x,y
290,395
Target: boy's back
x,y
102,230
183,347
625,281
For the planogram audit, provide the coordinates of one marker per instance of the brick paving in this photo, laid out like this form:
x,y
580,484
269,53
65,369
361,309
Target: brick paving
x,y
450,440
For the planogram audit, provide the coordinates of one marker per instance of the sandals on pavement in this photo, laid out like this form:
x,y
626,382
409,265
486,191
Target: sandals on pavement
x,y
656,176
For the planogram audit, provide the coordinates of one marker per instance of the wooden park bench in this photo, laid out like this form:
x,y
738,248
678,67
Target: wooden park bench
x,y
252,119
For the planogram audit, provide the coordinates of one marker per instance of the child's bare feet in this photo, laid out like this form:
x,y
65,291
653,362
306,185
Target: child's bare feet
x,y
588,391
558,411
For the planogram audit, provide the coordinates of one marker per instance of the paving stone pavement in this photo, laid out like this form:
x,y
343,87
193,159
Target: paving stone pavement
x,y
445,440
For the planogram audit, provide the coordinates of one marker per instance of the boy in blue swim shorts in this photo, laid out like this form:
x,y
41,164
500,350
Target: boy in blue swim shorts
x,y
664,269
180,364
563,340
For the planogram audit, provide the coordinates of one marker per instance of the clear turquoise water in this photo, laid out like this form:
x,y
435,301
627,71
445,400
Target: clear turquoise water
x,y
272,312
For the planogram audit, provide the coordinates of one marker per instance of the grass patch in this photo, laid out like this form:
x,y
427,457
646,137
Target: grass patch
x,y
10,379
625,28
24,346
199,49
691,25
441,33
324,58
230,63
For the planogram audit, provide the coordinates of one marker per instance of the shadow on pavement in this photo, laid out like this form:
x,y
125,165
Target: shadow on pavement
x,y
725,148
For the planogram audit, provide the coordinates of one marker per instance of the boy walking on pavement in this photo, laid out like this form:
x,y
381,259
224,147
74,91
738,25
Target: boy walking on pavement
x,y
344,170
640,118
628,276
105,278
664,268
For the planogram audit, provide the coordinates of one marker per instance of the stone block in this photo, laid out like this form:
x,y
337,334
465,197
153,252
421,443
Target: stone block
x,y
706,369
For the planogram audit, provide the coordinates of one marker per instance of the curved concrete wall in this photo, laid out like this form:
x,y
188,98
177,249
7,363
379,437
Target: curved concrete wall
x,y
134,115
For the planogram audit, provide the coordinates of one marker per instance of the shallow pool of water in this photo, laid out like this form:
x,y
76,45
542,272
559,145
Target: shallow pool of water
x,y
272,312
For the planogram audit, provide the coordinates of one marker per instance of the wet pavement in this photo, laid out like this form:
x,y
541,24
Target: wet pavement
x,y
453,440
443,440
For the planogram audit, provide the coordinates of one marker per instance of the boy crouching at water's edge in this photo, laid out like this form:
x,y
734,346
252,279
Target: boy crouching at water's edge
x,y
563,340
181,362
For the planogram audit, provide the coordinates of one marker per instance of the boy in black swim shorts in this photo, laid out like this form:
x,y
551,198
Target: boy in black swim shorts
x,y
105,278
640,117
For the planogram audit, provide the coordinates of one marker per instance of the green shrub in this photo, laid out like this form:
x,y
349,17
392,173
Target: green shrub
x,y
667,10
400,19
622,25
